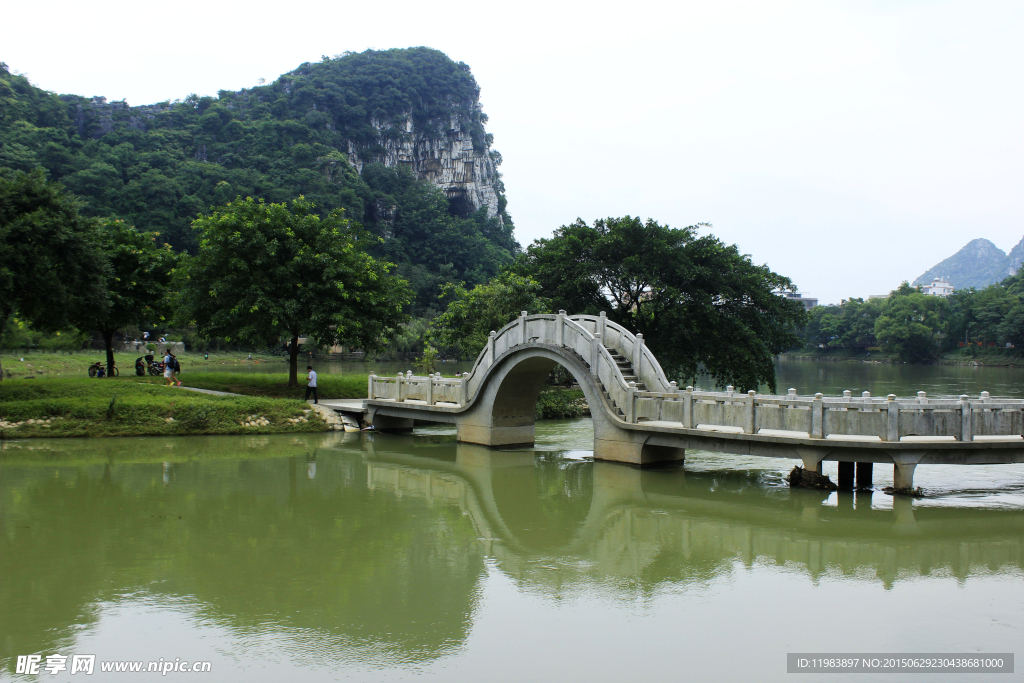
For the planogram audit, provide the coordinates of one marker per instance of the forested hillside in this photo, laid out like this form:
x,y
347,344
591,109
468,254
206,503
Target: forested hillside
x,y
327,130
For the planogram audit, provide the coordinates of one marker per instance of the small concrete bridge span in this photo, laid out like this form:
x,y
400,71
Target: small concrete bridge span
x,y
642,418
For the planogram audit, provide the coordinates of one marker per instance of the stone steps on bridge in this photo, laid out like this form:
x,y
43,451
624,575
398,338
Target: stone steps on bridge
x,y
626,368
628,374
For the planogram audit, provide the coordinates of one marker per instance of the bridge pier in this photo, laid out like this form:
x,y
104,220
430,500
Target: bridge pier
x,y
903,476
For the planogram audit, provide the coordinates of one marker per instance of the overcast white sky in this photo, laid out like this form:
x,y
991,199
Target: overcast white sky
x,y
848,145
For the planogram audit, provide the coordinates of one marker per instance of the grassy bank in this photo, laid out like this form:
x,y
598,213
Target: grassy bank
x,y
971,356
840,355
275,385
18,365
90,407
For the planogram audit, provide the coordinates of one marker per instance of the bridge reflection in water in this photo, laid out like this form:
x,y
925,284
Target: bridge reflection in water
x,y
350,548
597,520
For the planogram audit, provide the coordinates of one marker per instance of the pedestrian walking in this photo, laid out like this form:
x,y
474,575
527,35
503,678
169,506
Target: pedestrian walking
x,y
168,369
175,369
311,384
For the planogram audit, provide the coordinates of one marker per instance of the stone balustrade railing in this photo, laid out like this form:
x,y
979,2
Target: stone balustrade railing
x,y
887,419
591,338
432,389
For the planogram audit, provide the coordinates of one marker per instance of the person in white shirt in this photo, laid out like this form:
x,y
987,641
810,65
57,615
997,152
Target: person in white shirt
x,y
168,369
311,384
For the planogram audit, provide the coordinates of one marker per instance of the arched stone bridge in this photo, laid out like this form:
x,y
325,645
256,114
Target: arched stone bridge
x,y
642,418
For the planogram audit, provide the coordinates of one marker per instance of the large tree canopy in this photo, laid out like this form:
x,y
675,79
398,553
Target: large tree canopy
x,y
911,324
137,287
267,271
52,269
700,304
467,322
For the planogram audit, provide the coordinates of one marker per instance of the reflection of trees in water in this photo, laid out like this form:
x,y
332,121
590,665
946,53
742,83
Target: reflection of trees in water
x,y
251,543
387,548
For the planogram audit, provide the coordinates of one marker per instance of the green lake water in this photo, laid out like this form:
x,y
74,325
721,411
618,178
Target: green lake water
x,y
370,557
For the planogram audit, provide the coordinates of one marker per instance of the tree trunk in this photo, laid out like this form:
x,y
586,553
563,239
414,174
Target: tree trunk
x,y
5,314
108,343
293,362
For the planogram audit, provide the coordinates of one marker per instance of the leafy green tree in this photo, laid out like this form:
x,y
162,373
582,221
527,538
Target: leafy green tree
x,y
267,271
137,283
52,269
912,324
699,303
849,324
471,315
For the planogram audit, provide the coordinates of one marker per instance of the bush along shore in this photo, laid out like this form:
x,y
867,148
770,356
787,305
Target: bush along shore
x,y
100,407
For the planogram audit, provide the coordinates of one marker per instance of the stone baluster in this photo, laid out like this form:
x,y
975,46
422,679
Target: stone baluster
x,y
673,387
522,327
490,347
399,387
560,329
595,355
846,395
430,390
601,320
818,417
865,397
370,388
985,398
791,394
638,356
750,423
688,408
729,390
966,428
464,389
892,430
631,403
922,397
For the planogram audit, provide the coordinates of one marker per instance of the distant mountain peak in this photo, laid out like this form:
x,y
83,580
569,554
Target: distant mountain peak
x,y
978,264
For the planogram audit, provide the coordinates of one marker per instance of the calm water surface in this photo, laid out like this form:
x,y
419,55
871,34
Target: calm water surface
x,y
384,558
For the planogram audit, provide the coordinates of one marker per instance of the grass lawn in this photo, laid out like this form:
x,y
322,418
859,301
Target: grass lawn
x,y
18,364
137,407
275,385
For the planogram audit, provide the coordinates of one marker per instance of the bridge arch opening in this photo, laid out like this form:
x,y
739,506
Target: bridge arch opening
x,y
511,404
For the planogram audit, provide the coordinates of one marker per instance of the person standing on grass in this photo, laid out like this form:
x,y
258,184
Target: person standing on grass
x,y
311,384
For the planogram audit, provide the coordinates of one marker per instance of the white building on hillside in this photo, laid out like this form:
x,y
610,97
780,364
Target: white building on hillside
x,y
937,287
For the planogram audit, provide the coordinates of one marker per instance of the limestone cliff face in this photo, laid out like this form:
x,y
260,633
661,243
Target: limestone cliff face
x,y
465,171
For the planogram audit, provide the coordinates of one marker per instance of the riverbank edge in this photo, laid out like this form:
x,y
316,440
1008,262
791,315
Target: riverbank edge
x,y
77,407
59,408
993,362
